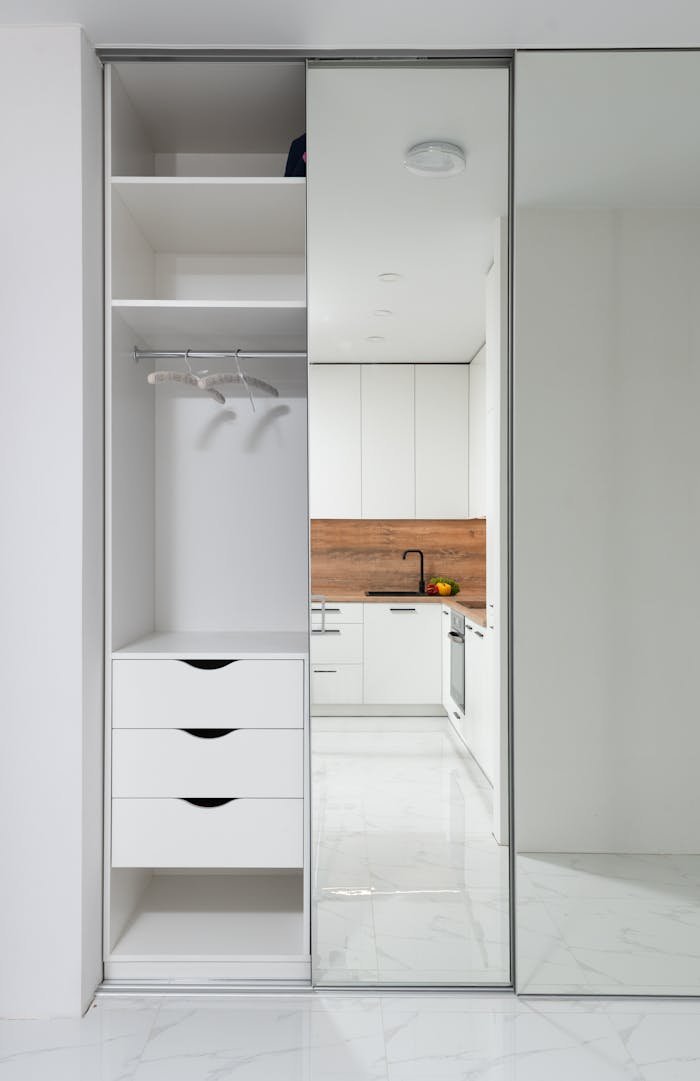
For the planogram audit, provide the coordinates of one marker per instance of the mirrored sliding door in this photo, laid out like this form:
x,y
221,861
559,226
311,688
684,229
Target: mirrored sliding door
x,y
607,522
408,302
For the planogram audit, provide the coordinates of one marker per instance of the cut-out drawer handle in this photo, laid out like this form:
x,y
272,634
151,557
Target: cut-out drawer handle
x,y
208,733
207,665
207,801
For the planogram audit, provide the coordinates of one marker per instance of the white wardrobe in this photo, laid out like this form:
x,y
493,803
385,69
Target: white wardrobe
x,y
206,809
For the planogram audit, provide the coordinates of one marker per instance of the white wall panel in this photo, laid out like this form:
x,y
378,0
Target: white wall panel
x,y
51,543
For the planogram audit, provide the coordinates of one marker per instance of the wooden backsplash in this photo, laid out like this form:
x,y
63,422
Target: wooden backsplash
x,y
355,555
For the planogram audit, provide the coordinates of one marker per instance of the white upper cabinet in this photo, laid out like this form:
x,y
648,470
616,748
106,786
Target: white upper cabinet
x,y
388,443
335,462
442,440
477,435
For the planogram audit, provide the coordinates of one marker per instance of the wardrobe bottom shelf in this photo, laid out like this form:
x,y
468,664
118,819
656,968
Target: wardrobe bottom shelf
x,y
239,926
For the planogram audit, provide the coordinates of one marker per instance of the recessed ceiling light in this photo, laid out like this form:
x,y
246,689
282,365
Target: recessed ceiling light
x,y
375,338
389,277
382,312
435,158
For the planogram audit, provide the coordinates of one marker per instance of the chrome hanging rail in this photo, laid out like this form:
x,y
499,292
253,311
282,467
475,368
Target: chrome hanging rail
x,y
216,354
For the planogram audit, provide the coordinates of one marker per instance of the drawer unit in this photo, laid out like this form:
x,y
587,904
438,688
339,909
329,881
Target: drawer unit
x,y
238,833
151,762
338,644
337,613
207,694
336,685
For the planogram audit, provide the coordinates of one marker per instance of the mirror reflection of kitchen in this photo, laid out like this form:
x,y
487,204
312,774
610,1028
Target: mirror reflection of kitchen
x,y
407,260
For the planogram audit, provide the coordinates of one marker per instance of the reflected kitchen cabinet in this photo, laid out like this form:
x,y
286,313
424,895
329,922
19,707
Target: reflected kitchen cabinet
x,y
442,440
335,463
388,441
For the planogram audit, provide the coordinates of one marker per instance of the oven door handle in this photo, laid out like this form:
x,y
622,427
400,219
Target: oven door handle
x,y
455,636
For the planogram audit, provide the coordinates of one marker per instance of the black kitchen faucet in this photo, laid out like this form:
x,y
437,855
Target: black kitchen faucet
x,y
417,551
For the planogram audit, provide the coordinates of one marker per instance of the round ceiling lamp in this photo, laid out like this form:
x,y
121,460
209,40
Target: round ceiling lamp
x,y
435,158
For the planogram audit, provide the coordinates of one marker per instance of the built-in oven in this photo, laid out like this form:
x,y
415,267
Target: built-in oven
x,y
456,640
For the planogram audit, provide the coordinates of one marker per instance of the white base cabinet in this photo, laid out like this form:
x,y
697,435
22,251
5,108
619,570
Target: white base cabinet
x,y
402,657
479,724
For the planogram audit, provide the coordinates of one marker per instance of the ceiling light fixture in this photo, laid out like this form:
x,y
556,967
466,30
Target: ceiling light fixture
x,y
435,158
375,338
389,277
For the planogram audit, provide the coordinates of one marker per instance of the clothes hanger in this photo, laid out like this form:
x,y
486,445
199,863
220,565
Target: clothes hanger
x,y
187,377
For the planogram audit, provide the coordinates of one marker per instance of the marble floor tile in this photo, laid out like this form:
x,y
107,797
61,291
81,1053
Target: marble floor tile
x,y
105,1045
372,1036
256,1041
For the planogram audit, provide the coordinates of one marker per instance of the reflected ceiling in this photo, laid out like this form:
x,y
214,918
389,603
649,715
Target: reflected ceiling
x,y
369,216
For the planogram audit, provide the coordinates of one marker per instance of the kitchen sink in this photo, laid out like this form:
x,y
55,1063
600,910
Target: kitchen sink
x,y
392,593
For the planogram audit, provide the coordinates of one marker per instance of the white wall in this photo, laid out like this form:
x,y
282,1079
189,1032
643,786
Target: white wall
x,y
607,530
51,540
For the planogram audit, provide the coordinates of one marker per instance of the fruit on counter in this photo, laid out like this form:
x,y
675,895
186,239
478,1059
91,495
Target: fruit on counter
x,y
432,590
445,586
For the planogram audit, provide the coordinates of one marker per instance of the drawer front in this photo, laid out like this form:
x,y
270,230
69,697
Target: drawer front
x,y
336,685
174,833
337,613
172,762
176,694
342,645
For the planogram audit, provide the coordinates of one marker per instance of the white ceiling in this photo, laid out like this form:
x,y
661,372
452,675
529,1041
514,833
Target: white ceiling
x,y
367,215
370,23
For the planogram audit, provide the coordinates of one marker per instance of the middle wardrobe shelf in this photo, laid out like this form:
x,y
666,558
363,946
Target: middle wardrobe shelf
x,y
250,324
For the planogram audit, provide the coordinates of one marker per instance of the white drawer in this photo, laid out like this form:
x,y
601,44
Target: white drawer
x,y
174,833
337,613
336,685
177,694
342,645
171,762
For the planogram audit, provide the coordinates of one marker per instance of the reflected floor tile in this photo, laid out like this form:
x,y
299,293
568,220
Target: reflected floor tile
x,y
404,814
428,932
604,876
105,1045
622,945
344,935
545,965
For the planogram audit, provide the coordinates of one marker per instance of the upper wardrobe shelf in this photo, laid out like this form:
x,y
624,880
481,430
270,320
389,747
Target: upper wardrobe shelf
x,y
261,215
198,119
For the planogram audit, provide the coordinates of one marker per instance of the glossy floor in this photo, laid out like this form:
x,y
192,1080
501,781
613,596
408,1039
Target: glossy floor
x,y
409,886
399,1036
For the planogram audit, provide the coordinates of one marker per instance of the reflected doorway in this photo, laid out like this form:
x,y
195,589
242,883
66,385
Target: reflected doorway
x,y
408,310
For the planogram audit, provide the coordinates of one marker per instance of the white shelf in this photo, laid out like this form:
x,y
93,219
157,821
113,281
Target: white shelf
x,y
222,917
262,215
182,324
253,645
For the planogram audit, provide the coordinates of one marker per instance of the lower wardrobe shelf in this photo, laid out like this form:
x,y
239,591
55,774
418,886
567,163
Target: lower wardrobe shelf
x,y
240,833
215,917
